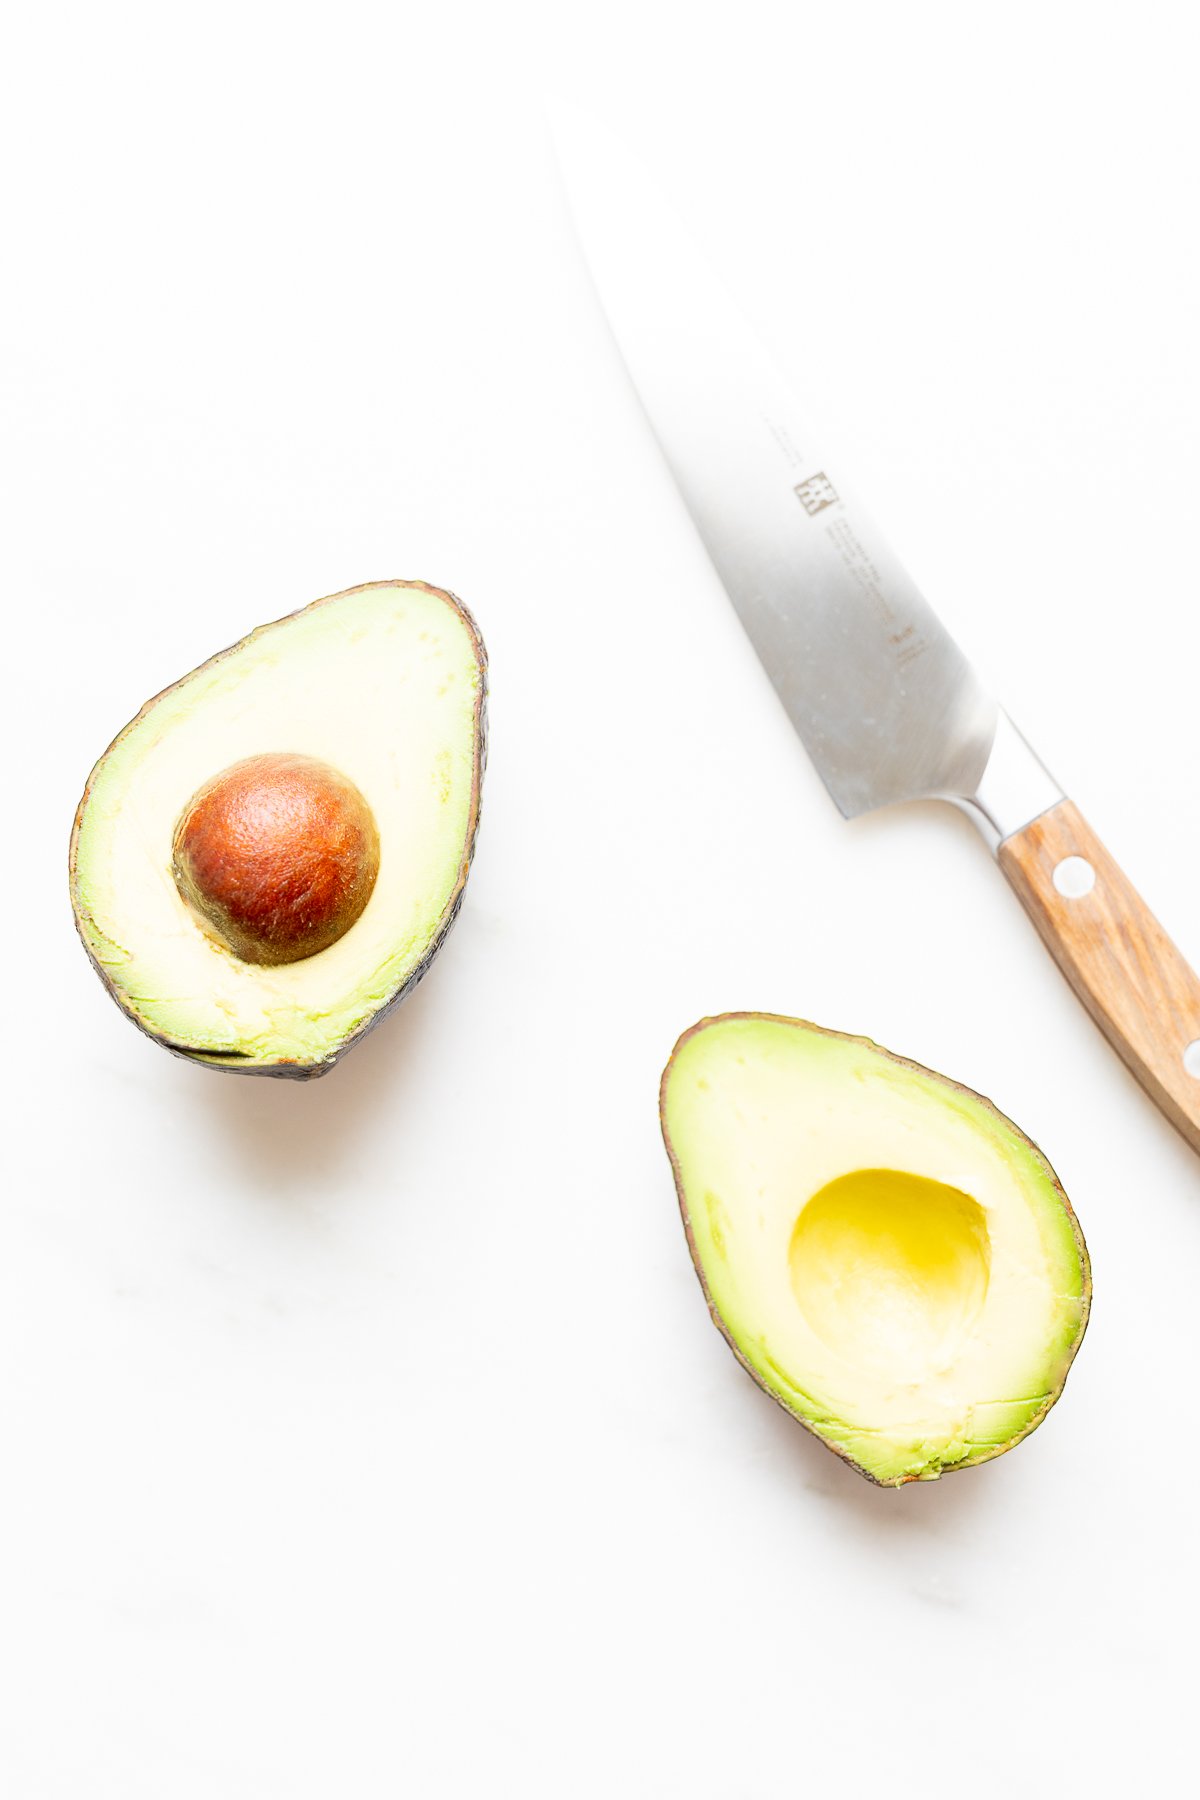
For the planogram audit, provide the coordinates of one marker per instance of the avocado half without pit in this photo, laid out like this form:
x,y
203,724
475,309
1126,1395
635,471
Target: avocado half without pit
x,y
270,855
886,1253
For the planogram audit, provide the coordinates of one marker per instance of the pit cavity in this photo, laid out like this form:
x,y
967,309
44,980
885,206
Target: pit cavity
x,y
891,1270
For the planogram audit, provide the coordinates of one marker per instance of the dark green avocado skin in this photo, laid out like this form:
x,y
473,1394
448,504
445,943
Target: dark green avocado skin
x,y
292,1071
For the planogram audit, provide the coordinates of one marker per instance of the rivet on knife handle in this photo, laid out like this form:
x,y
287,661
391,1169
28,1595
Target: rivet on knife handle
x,y
1115,954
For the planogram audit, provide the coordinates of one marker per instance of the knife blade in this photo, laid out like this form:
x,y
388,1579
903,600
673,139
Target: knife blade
x,y
885,702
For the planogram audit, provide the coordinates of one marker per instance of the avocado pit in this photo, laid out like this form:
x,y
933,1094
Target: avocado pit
x,y
277,855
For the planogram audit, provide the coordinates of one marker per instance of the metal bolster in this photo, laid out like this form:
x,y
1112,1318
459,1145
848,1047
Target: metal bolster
x,y
1014,789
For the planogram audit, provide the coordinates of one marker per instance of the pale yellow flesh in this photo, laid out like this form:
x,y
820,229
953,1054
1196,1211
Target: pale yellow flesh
x,y
383,684
889,1255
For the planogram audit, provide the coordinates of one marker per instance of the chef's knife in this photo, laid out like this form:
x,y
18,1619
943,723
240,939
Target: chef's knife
x,y
888,707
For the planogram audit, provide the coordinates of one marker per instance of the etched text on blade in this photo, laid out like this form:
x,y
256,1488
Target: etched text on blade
x,y
884,700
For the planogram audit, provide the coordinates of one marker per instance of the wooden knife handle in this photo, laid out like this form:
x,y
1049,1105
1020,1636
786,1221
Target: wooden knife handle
x,y
1115,954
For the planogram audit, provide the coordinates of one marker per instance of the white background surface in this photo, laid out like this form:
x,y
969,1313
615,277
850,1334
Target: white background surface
x,y
370,1438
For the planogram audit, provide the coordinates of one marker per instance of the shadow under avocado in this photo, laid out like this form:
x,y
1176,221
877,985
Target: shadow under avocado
x,y
918,1509
292,1137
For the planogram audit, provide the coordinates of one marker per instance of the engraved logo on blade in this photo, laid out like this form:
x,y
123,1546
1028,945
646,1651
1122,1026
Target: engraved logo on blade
x,y
816,494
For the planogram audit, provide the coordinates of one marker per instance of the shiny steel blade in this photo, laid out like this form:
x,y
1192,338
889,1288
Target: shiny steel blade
x,y
885,702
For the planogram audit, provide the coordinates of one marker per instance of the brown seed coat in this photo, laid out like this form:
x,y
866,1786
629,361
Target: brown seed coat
x,y
278,855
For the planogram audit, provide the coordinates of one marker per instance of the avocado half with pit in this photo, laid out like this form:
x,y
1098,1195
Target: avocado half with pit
x,y
270,855
886,1253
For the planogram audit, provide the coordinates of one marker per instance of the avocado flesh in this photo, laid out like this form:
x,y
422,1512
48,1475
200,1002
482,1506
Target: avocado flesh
x,y
386,683
888,1255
